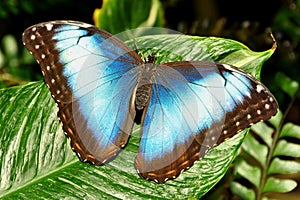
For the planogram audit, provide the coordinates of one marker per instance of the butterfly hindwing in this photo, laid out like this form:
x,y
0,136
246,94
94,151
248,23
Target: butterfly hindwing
x,y
82,66
194,106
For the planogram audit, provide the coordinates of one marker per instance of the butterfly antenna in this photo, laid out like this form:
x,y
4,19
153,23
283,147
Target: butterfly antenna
x,y
138,51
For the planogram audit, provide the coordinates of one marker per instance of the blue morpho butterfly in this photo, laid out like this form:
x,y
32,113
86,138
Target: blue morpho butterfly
x,y
99,84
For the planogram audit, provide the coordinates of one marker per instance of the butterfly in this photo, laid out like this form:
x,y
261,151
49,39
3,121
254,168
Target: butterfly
x,y
100,85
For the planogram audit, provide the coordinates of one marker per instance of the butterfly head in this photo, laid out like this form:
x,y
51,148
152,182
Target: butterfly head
x,y
151,59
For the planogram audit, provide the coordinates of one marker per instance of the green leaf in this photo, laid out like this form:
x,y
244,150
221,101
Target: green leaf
x,y
116,16
255,149
276,120
279,166
10,46
242,191
37,162
11,61
290,130
286,84
279,185
249,172
264,132
32,142
284,148
203,48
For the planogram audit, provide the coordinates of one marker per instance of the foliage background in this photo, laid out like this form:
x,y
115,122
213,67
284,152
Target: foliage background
x,y
246,21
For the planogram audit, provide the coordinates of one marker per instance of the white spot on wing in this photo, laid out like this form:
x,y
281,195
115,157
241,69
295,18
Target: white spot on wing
x,y
259,88
267,106
33,29
32,37
248,116
258,112
43,56
37,46
49,27
85,25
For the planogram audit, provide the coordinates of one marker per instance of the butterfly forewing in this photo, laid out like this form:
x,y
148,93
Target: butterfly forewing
x,y
82,65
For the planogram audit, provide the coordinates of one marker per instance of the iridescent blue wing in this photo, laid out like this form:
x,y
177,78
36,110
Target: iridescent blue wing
x,y
83,66
193,107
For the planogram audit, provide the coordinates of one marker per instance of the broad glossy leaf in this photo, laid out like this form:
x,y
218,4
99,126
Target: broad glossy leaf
x,y
32,141
203,48
37,162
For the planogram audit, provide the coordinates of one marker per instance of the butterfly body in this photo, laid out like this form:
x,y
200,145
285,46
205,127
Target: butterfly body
x,y
100,84
143,91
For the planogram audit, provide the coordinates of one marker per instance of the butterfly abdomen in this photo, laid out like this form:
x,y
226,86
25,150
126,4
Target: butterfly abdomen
x,y
142,96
